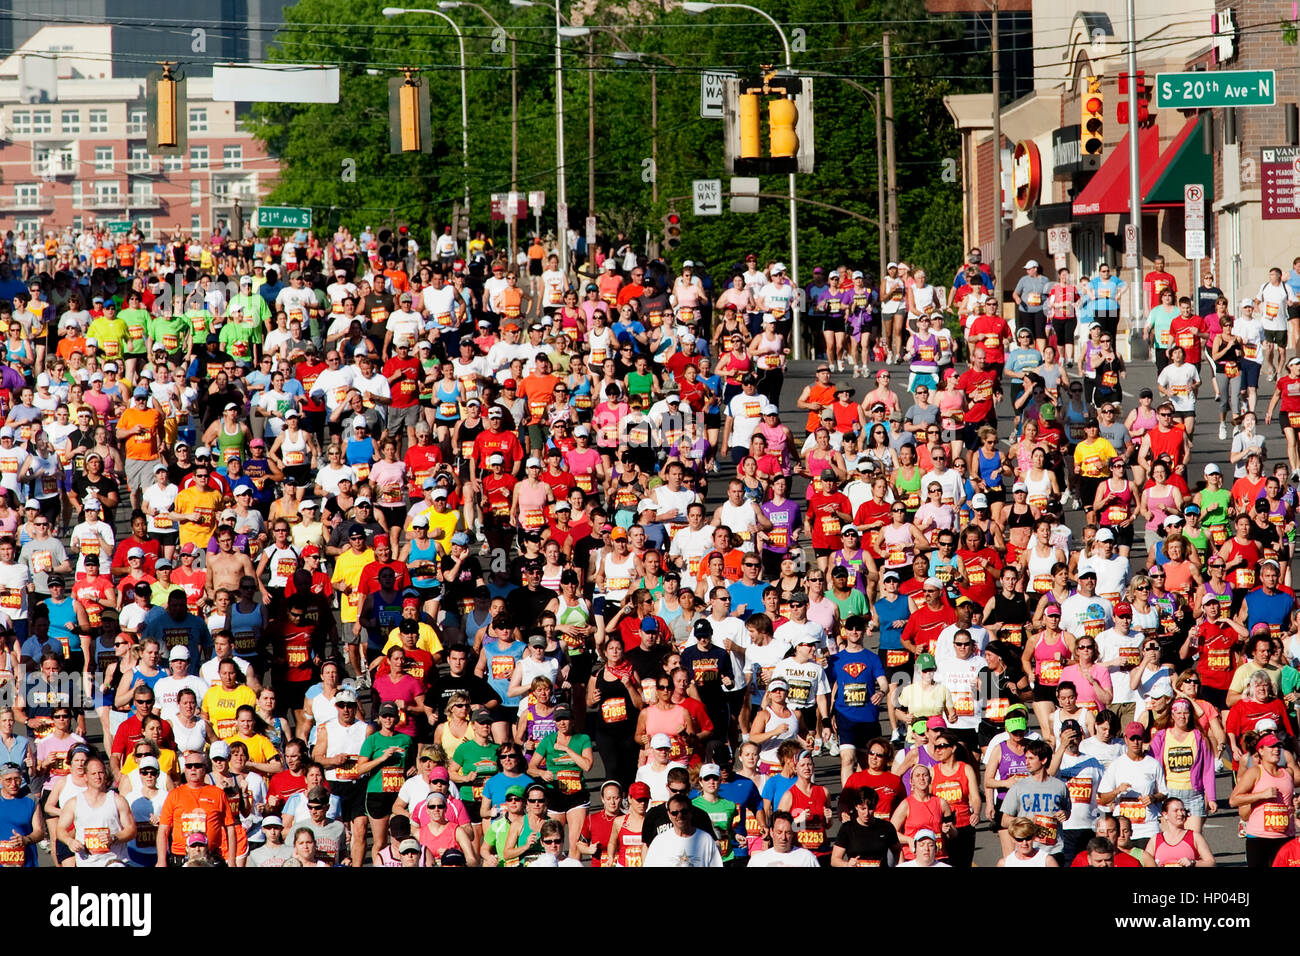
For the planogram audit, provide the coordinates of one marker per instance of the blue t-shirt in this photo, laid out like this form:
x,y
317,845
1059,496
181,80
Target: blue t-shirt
x,y
776,788
748,595
1020,359
742,792
855,674
1264,608
1103,303
893,615
497,785
16,820
191,631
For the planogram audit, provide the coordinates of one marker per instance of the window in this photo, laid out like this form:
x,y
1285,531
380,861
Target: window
x,y
107,194
138,161
99,121
142,194
65,162
145,225
173,164
196,192
220,189
76,193
198,157
27,195
76,223
70,121
42,122
232,157
103,159
198,119
137,121
196,227
20,121
32,227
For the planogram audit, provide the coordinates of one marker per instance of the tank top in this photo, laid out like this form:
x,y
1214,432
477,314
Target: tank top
x,y
1040,569
618,577
926,352
537,726
572,615
737,367
1178,758
1159,505
1012,612
628,849
345,740
426,552
898,545
447,401
1272,819
790,728
923,759
247,630
142,850
1049,660
95,827
990,469
809,812
924,815
231,445
1011,766
293,452
775,436
598,343
1040,488
909,487
1037,858
1117,511
954,788
1172,854
615,713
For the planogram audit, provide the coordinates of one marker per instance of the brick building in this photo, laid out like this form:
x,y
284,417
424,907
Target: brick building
x,y
74,148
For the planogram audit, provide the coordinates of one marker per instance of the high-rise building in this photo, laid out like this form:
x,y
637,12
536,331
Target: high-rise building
x,y
144,32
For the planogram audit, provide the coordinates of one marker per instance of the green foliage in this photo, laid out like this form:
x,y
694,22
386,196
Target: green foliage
x,y
842,37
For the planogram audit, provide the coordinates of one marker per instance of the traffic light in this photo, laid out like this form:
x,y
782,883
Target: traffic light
x,y
168,116
789,120
408,114
782,115
1091,121
672,230
1143,98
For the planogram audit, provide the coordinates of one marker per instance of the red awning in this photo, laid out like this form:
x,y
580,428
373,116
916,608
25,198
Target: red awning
x,y
1108,190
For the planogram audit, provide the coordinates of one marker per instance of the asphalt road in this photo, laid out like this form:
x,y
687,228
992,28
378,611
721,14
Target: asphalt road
x,y
1221,830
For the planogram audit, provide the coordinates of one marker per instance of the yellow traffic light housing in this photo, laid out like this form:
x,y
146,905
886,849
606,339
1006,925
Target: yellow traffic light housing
x,y
750,145
409,109
790,138
1091,123
782,115
168,115
409,129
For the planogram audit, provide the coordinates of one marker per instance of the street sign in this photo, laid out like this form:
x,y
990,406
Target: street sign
x,y
744,184
1206,89
1058,241
1130,246
1193,207
537,201
712,89
708,197
1194,244
1280,188
118,227
501,206
591,231
283,217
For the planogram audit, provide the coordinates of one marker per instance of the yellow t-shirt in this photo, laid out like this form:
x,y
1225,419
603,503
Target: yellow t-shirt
x,y
167,762
260,750
203,503
221,705
1093,457
427,641
447,522
347,570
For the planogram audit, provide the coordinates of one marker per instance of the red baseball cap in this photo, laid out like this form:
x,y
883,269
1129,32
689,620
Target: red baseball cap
x,y
639,791
509,383
311,551
1123,609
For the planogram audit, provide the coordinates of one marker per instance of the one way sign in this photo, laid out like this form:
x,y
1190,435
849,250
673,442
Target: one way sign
x,y
708,197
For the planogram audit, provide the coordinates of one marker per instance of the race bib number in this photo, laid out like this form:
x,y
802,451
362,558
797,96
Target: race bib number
x,y
13,853
391,779
778,538
1116,514
1133,810
1218,659
348,770
896,657
855,695
533,520
297,655
1080,789
1277,818
568,781
11,599
830,525
163,523
1050,672
1042,583
1048,829
97,840
613,710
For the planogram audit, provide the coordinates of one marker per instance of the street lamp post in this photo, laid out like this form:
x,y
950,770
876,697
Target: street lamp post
x,y
561,200
511,218
796,328
464,97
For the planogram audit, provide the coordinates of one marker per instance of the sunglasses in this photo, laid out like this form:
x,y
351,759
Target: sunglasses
x,y
536,799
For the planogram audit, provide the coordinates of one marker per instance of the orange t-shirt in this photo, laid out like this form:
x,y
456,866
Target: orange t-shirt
x,y
144,446
188,810
539,392
100,257
73,343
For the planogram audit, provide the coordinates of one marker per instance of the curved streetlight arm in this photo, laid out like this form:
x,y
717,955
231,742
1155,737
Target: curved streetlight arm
x,y
703,7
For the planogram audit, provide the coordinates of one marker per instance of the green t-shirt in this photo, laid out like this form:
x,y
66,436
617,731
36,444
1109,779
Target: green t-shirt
x,y
855,603
200,323
237,339
137,327
376,744
111,336
471,756
568,775
1214,506
169,332
496,835
723,813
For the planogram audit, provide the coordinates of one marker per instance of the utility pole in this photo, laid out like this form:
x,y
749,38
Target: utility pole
x,y
591,124
1138,315
562,199
880,186
512,216
889,157
997,155
654,133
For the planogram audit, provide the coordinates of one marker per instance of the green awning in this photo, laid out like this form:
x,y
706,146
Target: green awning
x,y
1184,161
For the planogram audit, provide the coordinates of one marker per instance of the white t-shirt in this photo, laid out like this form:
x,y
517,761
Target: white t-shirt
x,y
1144,777
656,780
691,546
1079,613
210,667
791,632
1110,645
807,681
1081,776
746,416
1272,300
1182,381
699,849
798,858
167,689
328,478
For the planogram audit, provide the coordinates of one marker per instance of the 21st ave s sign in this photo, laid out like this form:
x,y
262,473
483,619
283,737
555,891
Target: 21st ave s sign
x,y
1207,89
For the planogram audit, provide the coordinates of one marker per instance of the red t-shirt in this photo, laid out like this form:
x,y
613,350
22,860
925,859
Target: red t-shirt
x,y
872,512
924,626
979,388
149,546
824,512
307,374
982,568
369,582
128,735
677,363
560,484
406,390
1121,859
1289,388
497,492
888,787
630,630
989,331
284,785
1187,333
1171,442
501,443
596,833
420,461
1289,854
1216,662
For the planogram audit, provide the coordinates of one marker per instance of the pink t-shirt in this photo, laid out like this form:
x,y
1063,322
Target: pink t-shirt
x,y
1086,694
406,690
383,472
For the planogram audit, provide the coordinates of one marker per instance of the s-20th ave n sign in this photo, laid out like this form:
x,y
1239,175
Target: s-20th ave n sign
x,y
1206,89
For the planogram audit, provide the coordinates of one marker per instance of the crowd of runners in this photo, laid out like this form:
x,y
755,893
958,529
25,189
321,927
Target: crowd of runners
x,y
323,552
